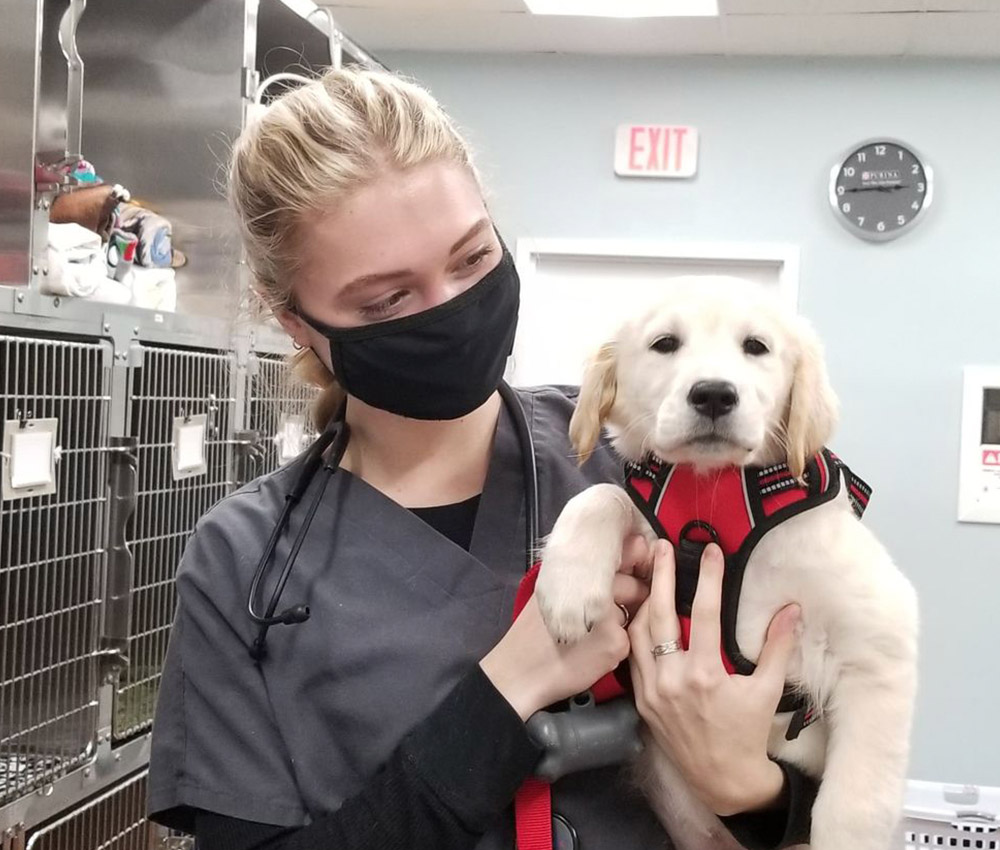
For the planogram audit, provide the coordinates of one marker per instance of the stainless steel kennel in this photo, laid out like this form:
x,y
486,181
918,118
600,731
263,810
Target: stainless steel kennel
x,y
100,391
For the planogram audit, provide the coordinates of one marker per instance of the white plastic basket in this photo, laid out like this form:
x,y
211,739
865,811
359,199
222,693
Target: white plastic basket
x,y
939,815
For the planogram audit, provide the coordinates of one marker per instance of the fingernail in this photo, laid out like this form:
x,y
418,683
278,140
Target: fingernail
x,y
794,614
661,547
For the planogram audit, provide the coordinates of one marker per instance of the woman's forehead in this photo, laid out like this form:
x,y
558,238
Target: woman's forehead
x,y
403,220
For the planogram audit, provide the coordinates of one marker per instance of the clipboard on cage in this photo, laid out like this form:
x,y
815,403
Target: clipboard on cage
x,y
941,815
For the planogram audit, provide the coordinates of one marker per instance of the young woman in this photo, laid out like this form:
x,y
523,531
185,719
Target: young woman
x,y
394,716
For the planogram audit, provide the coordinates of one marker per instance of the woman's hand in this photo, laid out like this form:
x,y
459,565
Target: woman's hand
x,y
713,725
532,671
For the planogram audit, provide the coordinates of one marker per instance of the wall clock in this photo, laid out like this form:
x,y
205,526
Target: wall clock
x,y
881,189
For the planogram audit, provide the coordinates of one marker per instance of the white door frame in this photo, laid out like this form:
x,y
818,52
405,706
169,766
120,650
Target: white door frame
x,y
781,255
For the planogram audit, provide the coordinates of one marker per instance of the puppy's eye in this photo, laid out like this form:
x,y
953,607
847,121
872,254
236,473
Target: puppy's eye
x,y
666,344
754,346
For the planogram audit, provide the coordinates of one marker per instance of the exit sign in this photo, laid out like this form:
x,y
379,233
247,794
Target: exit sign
x,y
656,150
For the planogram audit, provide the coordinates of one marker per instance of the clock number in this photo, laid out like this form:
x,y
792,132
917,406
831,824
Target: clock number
x,y
862,156
861,220
880,227
915,205
915,169
849,171
841,190
900,154
880,150
900,220
920,187
846,208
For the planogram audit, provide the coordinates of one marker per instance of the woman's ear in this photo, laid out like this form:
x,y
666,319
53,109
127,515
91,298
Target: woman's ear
x,y
293,326
812,406
597,398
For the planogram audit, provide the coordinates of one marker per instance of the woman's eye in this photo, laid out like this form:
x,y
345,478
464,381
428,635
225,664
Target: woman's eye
x,y
475,259
382,308
754,346
666,344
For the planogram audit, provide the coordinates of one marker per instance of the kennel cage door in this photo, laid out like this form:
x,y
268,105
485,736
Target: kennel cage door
x,y
51,556
167,385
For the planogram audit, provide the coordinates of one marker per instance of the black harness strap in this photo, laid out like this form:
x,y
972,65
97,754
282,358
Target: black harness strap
x,y
824,475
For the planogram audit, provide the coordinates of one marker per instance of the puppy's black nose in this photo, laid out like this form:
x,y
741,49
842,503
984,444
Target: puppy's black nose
x,y
713,398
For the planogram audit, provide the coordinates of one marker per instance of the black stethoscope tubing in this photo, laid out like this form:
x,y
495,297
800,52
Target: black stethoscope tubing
x,y
336,436
529,470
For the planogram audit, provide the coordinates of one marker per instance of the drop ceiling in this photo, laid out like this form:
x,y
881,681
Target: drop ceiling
x,y
957,28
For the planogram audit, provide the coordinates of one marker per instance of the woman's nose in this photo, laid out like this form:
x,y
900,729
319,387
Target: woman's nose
x,y
441,290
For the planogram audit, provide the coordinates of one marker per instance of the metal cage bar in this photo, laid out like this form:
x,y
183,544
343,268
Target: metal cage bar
x,y
273,394
917,834
51,565
114,820
165,383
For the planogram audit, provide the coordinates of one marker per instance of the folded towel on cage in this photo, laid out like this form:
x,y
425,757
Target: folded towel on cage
x,y
112,291
75,242
154,289
151,289
75,261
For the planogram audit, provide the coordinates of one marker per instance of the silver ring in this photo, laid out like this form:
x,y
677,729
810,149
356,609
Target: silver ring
x,y
667,648
624,610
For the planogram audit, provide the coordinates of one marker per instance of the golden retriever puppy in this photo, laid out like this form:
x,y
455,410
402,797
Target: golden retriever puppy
x,y
718,386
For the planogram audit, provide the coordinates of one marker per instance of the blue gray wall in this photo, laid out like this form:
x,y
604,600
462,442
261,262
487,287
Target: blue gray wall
x,y
899,319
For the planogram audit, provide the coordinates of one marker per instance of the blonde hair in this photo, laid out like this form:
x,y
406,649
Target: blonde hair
x,y
311,148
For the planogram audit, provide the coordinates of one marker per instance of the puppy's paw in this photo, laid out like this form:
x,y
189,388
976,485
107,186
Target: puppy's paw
x,y
572,595
569,618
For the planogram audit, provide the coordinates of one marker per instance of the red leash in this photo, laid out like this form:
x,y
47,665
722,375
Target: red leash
x,y
533,800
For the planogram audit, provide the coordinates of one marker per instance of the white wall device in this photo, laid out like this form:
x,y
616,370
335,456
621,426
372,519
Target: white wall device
x,y
979,470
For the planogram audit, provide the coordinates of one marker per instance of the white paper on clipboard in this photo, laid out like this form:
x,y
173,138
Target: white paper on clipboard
x,y
189,446
30,455
290,438
31,458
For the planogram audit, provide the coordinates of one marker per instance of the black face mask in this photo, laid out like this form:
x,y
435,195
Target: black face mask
x,y
441,363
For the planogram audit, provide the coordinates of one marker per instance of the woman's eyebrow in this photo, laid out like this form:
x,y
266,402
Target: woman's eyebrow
x,y
475,230
378,277
384,277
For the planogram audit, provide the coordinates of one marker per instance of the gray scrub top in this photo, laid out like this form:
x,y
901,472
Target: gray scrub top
x,y
399,612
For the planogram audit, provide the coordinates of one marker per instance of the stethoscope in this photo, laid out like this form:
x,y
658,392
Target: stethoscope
x,y
335,437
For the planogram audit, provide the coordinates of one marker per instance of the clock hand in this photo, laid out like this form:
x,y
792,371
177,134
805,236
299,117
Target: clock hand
x,y
879,188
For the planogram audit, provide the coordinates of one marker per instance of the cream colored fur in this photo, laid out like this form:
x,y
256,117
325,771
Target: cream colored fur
x,y
856,655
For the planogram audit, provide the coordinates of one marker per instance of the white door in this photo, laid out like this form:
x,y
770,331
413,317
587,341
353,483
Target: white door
x,y
574,293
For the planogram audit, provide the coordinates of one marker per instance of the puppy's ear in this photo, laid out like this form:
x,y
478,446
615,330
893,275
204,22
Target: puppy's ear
x,y
812,407
597,398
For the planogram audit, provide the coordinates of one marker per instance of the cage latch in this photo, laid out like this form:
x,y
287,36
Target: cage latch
x,y
122,492
249,451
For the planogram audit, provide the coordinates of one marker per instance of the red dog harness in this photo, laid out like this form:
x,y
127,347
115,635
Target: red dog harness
x,y
734,507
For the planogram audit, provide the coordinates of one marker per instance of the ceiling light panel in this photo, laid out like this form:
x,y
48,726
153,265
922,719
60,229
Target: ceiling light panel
x,y
625,8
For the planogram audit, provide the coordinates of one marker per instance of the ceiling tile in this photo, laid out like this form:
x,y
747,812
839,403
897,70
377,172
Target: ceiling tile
x,y
819,7
829,35
433,5
748,27
963,5
971,34
510,33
